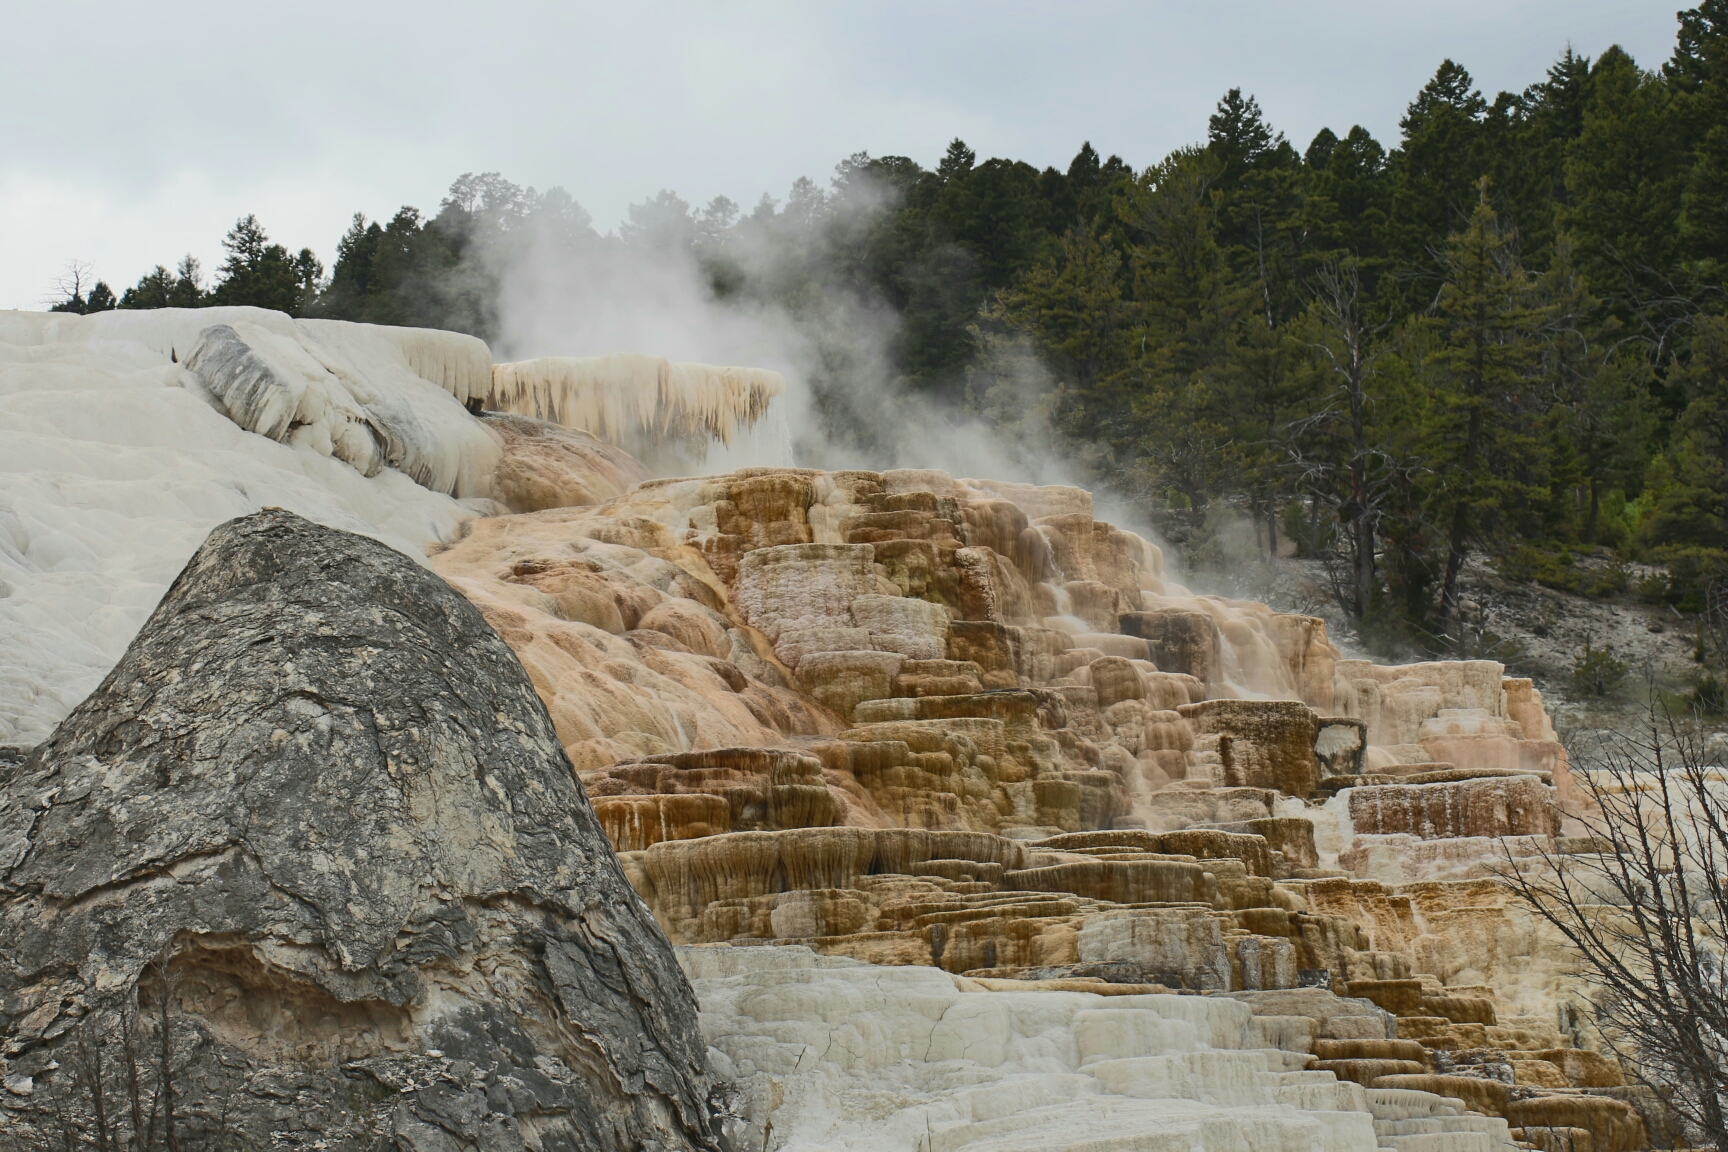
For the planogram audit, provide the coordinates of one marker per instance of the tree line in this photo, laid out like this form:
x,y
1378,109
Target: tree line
x,y
1502,335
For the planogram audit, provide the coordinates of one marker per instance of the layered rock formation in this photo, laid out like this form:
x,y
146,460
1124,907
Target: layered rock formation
x,y
318,807
910,720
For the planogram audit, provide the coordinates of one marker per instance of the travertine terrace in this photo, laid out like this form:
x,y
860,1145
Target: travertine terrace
x,y
915,720
972,826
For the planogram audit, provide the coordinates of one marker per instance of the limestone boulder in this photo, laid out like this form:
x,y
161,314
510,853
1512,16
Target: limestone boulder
x,y
796,643
994,647
633,823
1308,656
1613,1125
615,697
1069,537
1394,700
698,629
938,678
1116,679
917,629
682,795
766,507
1341,745
989,587
1185,943
319,807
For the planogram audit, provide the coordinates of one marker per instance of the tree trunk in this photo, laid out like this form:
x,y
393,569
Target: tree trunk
x,y
1362,540
1460,534
1363,544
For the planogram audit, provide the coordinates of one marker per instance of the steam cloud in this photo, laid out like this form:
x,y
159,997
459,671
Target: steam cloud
x,y
844,406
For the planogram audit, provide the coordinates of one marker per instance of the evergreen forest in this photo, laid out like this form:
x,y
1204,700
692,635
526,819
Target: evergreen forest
x,y
1502,335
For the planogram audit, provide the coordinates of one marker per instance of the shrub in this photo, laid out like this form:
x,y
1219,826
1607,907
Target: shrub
x,y
1546,564
1709,695
1596,672
1690,572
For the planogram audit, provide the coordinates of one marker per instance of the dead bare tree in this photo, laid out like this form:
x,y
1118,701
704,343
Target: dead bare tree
x,y
1714,620
71,286
1645,910
1333,448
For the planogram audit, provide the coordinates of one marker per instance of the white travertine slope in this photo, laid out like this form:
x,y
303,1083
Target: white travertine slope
x,y
115,463
829,1053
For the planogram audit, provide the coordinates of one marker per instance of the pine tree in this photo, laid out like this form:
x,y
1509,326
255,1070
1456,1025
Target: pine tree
x,y
101,298
1624,179
1341,459
188,290
1074,311
1348,196
1486,318
352,279
1264,381
1527,138
996,213
153,290
957,162
660,226
160,288
1434,175
79,292
261,274
1697,77
1181,276
1241,140
1692,506
1601,395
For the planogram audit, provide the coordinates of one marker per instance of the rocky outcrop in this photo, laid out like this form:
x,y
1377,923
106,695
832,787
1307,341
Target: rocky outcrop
x,y
318,821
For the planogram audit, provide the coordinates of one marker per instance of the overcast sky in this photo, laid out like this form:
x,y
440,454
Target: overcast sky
x,y
133,133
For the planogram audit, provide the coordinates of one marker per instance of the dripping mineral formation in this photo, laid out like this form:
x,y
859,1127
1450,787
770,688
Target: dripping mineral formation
x,y
972,828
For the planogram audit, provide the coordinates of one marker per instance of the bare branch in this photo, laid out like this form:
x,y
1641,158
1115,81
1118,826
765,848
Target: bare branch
x,y
1644,909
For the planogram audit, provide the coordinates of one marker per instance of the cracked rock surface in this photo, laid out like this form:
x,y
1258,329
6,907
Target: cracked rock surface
x,y
319,806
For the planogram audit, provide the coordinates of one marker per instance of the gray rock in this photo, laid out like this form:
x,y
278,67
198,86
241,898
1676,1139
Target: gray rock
x,y
256,393
320,803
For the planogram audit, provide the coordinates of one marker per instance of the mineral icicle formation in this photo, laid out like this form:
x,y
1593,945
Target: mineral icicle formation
x,y
971,827
320,793
623,395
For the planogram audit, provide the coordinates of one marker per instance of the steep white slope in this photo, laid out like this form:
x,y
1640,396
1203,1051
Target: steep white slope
x,y
115,463
829,1053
